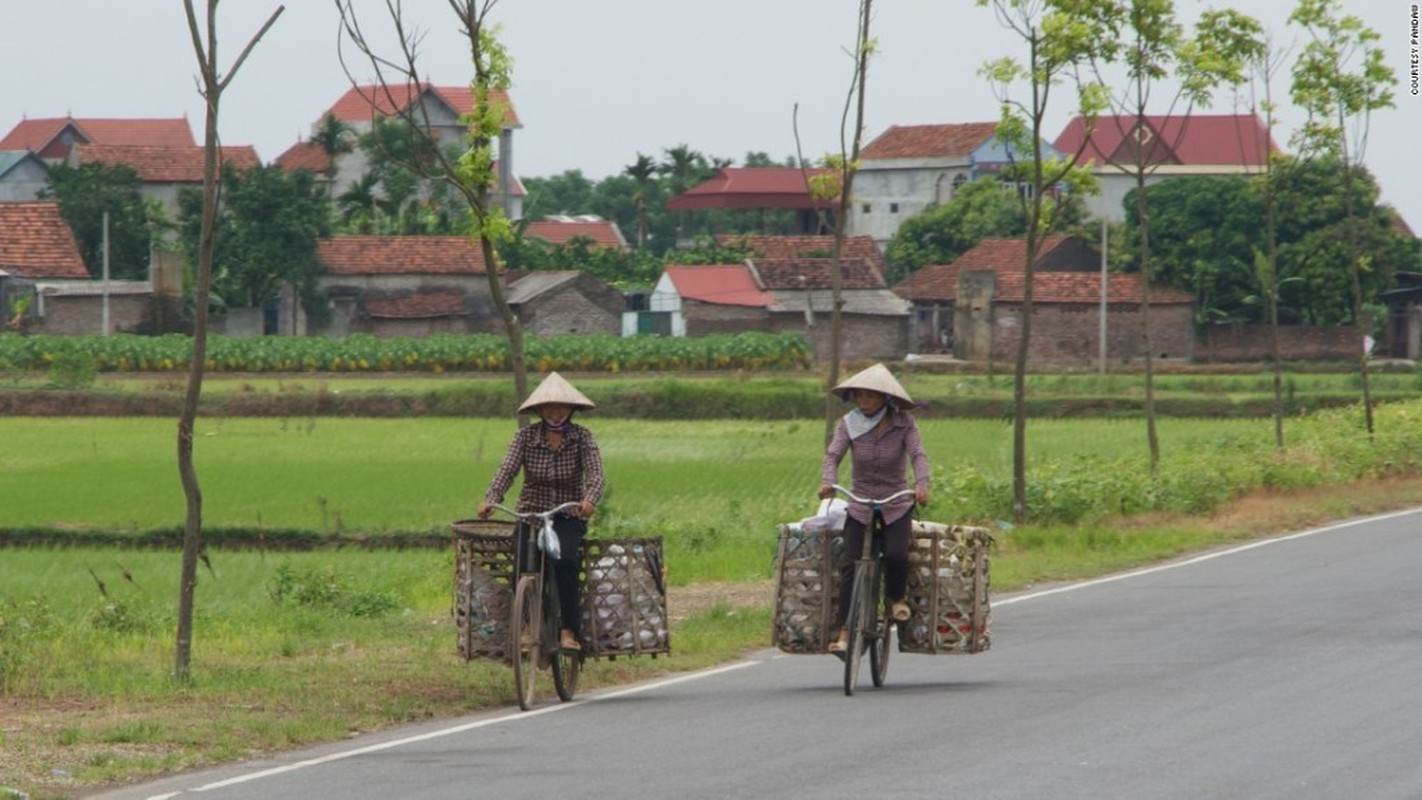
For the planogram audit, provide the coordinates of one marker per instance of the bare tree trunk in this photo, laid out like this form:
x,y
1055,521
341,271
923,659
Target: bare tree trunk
x,y
205,47
849,165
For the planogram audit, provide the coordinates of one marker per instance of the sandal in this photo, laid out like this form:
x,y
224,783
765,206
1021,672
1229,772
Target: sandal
x,y
900,611
569,640
842,643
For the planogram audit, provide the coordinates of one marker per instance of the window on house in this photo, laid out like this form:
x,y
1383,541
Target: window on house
x,y
866,208
958,181
893,208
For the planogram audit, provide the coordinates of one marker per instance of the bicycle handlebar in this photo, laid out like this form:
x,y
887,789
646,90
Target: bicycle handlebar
x,y
858,499
543,515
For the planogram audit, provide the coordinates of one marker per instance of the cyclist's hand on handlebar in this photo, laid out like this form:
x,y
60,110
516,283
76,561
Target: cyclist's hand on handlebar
x,y
826,491
920,496
586,509
485,509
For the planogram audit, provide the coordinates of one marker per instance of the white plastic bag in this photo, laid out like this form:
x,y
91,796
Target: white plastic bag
x,y
548,541
829,517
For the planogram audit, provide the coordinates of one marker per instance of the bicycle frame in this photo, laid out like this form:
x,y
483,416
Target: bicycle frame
x,y
536,620
868,628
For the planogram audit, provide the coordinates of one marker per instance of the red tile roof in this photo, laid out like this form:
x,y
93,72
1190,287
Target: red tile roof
x,y
36,243
360,103
423,305
36,134
603,233
853,247
1196,140
752,187
400,255
304,155
166,163
929,141
786,274
1006,258
719,284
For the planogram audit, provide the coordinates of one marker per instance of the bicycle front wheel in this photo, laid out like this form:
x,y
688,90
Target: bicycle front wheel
x,y
861,614
526,633
879,649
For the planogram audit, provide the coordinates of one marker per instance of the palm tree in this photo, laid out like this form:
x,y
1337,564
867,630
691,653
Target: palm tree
x,y
335,138
642,173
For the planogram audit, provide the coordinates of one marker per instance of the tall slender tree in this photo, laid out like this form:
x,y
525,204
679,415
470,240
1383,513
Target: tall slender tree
x,y
1340,79
1154,47
1059,38
212,82
643,172
471,174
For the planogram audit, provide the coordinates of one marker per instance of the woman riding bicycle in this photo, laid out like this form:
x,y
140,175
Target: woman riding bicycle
x,y
883,438
560,463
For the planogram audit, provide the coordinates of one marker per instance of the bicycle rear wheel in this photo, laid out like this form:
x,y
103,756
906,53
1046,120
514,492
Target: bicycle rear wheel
x,y
860,615
567,664
526,634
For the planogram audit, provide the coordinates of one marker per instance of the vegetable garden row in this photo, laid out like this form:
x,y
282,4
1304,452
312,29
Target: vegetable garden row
x,y
438,353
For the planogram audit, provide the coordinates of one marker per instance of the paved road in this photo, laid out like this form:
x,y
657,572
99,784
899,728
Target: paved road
x,y
1290,668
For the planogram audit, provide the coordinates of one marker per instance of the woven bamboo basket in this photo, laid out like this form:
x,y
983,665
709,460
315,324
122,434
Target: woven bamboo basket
x,y
947,590
483,587
624,598
806,589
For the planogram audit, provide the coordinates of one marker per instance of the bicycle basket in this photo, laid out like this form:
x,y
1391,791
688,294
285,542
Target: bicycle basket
x,y
483,587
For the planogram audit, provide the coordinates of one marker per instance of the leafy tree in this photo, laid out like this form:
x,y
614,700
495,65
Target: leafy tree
x,y
1340,79
1329,215
979,209
1203,233
84,194
267,229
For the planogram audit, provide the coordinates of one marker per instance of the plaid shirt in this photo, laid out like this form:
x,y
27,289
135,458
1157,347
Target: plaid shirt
x,y
571,473
879,464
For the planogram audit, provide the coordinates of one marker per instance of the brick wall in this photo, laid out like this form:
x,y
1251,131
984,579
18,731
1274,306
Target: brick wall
x,y
1224,343
1070,333
82,315
703,319
865,337
571,311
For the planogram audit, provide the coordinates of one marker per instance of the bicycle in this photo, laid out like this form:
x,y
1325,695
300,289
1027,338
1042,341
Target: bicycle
x,y
867,618
536,618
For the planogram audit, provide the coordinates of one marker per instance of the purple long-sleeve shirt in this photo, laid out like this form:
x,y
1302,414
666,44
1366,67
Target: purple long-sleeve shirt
x,y
572,473
879,464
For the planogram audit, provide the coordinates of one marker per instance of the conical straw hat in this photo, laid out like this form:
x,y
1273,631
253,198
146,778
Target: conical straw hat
x,y
554,389
876,378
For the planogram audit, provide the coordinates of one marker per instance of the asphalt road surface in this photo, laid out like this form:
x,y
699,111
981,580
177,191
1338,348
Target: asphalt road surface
x,y
1288,668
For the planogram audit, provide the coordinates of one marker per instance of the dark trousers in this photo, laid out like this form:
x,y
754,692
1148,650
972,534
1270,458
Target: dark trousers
x,y
567,570
893,542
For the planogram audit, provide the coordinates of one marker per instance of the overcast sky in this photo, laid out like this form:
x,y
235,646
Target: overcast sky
x,y
596,83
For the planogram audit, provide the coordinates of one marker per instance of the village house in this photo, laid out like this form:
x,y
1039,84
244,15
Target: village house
x,y
398,286
1170,147
163,170
973,307
784,286
45,288
557,302
909,169
23,176
764,189
444,106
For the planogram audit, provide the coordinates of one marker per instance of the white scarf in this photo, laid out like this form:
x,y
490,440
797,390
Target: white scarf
x,y
859,423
